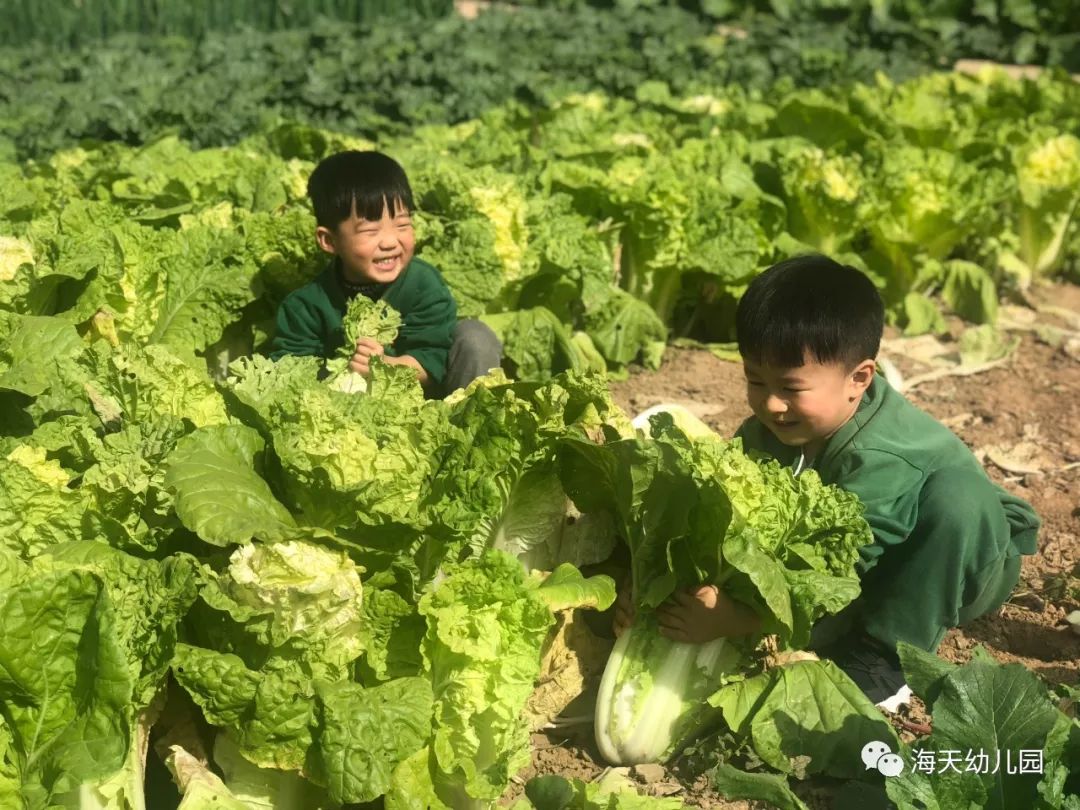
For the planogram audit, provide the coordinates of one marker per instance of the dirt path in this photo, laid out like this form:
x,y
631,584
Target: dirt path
x,y
1027,411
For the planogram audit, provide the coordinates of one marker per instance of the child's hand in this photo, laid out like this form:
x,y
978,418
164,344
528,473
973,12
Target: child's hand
x,y
705,613
624,609
366,348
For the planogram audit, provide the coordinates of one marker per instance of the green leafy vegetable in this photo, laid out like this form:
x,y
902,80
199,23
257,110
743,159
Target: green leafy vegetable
x,y
363,317
699,511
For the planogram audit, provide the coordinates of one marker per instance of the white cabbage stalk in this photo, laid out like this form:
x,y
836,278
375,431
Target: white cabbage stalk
x,y
683,418
349,382
653,694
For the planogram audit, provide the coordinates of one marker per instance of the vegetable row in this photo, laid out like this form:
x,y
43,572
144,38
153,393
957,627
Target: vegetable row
x,y
218,89
587,233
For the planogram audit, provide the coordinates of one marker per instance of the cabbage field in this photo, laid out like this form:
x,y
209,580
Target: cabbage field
x,y
225,583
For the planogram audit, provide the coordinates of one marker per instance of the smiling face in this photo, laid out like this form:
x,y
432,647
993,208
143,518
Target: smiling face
x,y
371,251
805,405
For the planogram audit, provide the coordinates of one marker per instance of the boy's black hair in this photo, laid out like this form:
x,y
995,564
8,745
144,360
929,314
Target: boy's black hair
x,y
810,305
367,180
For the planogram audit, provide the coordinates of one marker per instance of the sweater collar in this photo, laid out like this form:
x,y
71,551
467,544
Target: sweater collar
x,y
869,405
349,290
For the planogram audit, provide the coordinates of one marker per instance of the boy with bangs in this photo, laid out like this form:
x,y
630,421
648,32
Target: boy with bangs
x,y
947,540
363,210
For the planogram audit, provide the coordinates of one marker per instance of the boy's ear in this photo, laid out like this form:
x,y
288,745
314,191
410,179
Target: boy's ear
x,y
325,237
863,375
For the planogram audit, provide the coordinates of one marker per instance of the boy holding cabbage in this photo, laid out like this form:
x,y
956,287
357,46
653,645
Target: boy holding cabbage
x,y
363,210
947,540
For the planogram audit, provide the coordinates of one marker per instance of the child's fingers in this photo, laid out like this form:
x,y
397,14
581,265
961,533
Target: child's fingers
x,y
371,346
674,633
360,363
683,598
669,621
691,595
669,607
707,594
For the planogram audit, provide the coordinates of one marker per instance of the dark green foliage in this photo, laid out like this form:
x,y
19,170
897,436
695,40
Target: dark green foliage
x,y
384,77
1023,31
65,23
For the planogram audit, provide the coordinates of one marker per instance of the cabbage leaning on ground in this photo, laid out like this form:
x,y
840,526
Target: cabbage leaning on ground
x,y
701,511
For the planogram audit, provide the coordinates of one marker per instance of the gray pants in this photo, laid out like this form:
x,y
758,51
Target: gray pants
x,y
475,351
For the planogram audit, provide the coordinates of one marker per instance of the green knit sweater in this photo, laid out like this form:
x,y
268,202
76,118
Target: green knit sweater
x,y
884,454
309,319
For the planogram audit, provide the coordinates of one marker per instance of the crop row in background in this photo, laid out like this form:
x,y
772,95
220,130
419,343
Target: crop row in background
x,y
586,233
216,89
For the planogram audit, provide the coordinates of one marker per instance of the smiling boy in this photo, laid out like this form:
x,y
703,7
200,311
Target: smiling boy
x,y
363,210
947,540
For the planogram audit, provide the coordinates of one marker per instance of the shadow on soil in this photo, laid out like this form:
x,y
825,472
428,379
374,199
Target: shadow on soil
x,y
1027,639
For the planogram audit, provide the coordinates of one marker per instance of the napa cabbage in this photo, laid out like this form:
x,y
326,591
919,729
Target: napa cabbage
x,y
1047,169
701,511
363,318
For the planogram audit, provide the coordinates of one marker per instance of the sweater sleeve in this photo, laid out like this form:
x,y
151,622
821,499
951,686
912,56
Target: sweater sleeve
x,y
297,330
1023,522
427,328
889,488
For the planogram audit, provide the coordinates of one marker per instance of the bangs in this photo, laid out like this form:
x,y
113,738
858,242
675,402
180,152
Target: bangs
x,y
775,338
369,201
366,183
809,308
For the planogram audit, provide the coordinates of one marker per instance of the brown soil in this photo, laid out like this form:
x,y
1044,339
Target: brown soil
x,y
1033,398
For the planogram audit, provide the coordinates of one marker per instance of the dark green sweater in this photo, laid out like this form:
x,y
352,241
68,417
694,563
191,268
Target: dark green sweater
x,y
884,454
309,319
